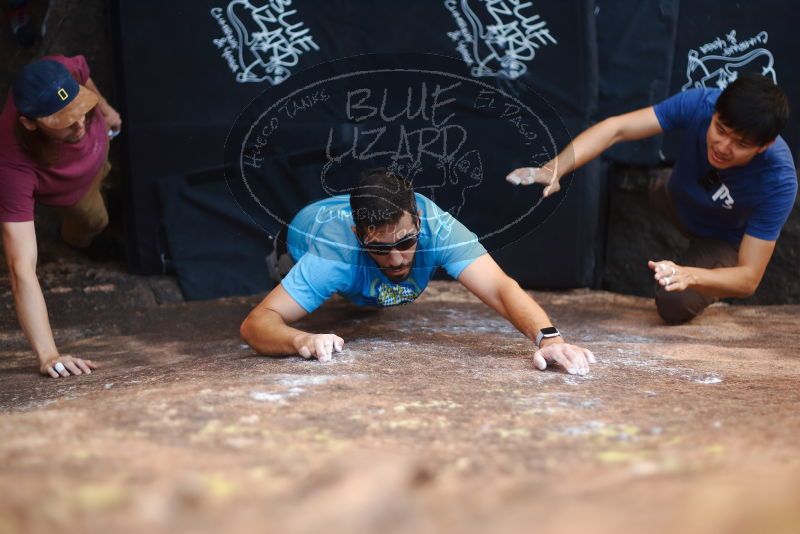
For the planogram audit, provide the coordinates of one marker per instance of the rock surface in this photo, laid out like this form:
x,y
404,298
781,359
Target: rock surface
x,y
432,419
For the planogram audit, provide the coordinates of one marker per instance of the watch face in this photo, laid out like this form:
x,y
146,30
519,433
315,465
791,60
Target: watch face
x,y
550,331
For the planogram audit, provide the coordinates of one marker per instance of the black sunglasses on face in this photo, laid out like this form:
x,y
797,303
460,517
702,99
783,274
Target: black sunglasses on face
x,y
382,249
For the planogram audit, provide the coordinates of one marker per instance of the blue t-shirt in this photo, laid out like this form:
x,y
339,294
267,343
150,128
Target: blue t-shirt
x,y
329,259
753,199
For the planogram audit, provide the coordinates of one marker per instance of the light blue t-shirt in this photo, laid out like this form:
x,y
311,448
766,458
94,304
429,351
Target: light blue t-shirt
x,y
329,259
753,199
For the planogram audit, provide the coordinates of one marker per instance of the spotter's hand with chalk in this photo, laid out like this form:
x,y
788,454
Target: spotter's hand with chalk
x,y
545,175
670,276
64,366
319,346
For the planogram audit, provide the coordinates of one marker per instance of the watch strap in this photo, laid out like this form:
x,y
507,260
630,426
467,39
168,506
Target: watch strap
x,y
546,333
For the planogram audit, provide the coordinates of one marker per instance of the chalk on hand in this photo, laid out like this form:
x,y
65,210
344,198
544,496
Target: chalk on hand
x,y
513,178
539,361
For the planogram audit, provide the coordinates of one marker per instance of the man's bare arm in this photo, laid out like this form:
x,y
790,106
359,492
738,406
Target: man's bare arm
x,y
267,330
486,280
19,244
588,145
740,281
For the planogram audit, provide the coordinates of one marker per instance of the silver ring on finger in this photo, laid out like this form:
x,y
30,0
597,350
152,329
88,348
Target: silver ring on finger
x,y
59,367
674,272
667,281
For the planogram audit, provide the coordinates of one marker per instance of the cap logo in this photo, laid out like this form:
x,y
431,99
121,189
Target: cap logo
x,y
62,94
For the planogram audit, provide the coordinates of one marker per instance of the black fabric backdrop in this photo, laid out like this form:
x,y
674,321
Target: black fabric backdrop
x,y
636,46
588,59
725,39
179,101
181,97
179,63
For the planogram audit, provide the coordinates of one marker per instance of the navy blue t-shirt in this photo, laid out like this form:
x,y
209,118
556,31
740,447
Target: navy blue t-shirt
x,y
753,199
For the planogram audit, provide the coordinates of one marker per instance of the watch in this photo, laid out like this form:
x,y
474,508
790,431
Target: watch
x,y
546,333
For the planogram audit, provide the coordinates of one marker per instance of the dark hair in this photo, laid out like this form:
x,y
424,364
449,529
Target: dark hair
x,y
755,108
381,197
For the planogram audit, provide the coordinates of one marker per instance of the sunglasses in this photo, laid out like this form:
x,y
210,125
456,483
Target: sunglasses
x,y
710,180
382,249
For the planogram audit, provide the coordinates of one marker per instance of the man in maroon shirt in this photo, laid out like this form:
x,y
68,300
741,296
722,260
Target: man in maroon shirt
x,y
54,132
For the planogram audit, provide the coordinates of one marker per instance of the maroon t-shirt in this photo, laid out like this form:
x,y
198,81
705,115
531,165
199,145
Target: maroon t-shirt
x,y
23,182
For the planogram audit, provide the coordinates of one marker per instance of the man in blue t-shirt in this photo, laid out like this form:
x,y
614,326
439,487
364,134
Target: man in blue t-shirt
x,y
379,246
730,192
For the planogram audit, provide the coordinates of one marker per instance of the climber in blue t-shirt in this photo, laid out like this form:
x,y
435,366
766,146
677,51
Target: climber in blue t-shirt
x,y
379,246
330,259
730,191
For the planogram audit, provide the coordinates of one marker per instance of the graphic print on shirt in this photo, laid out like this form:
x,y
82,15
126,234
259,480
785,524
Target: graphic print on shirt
x,y
394,294
723,194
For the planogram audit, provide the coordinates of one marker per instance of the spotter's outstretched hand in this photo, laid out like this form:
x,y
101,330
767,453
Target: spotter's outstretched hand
x,y
536,175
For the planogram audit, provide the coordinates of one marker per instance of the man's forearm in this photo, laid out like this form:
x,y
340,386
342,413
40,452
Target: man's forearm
x,y
522,311
584,148
269,335
739,282
32,314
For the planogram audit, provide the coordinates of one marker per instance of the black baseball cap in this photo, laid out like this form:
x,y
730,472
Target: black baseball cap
x,y
45,91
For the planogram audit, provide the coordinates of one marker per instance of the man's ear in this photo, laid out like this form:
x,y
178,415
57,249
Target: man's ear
x,y
28,124
353,228
764,148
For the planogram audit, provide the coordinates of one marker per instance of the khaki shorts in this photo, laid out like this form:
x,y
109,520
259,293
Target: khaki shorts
x,y
88,217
